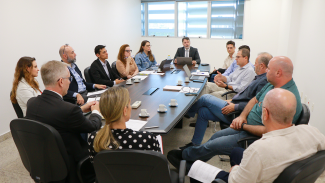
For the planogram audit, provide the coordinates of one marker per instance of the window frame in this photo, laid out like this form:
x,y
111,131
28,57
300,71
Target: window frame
x,y
209,14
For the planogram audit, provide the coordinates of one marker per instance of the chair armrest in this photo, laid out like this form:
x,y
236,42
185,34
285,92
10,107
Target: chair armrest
x,y
245,139
228,92
182,170
218,181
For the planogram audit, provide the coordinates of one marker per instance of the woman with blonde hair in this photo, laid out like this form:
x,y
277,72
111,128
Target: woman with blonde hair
x,y
25,86
115,106
144,58
125,64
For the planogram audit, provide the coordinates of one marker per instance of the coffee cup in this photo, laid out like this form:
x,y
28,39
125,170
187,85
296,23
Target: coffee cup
x,y
158,70
173,102
172,66
197,71
128,81
144,112
137,80
179,82
162,107
187,79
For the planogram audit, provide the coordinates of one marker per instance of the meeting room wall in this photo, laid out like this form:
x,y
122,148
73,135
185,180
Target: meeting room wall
x,y
38,28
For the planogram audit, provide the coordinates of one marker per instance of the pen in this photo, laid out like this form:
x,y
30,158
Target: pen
x,y
151,127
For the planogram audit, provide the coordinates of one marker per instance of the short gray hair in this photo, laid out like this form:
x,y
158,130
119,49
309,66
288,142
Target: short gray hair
x,y
52,71
264,58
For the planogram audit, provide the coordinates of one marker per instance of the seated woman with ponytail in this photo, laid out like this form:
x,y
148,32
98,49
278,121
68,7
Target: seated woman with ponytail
x,y
115,106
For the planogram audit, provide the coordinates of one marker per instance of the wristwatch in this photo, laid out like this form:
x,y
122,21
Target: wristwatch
x,y
226,87
242,125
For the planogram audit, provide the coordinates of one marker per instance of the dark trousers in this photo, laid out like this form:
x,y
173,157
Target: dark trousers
x,y
235,158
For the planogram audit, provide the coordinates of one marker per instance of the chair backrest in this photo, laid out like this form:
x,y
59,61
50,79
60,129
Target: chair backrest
x,y
17,109
87,75
304,116
41,149
305,171
114,68
124,166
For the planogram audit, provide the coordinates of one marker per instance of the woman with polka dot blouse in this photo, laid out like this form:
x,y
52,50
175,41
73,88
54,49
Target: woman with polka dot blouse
x,y
115,106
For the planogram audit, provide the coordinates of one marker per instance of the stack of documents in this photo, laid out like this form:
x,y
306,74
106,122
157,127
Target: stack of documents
x,y
140,77
206,74
146,72
189,90
96,92
172,88
135,125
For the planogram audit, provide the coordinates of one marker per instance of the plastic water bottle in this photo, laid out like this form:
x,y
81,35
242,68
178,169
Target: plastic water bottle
x,y
168,58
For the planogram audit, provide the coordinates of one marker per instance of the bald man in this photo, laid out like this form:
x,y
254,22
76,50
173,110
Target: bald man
x,y
278,148
78,87
279,75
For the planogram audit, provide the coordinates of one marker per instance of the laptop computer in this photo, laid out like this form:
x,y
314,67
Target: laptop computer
x,y
188,73
184,60
164,62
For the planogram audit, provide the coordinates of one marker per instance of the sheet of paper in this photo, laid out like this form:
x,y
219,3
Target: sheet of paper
x,y
147,72
96,92
157,73
140,77
189,90
135,125
201,74
203,172
159,138
173,88
93,99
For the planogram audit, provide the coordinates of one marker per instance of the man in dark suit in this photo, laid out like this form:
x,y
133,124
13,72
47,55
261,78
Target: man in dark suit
x,y
66,118
188,51
100,70
78,85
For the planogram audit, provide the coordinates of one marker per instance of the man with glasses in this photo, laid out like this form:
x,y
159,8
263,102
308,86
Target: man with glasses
x,y
100,70
236,81
66,118
78,87
188,51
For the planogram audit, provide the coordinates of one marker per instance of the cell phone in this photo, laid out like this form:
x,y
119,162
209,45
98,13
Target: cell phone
x,y
199,81
190,94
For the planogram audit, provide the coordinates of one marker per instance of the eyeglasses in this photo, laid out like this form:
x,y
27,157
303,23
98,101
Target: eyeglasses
x,y
128,51
70,78
148,45
66,45
238,56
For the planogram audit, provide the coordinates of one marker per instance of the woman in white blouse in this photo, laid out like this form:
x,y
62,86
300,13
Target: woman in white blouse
x,y
25,85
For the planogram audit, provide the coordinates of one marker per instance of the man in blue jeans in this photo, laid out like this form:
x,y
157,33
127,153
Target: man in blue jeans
x,y
279,75
212,108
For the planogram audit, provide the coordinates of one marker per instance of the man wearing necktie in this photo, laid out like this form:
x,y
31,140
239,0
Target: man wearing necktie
x,y
188,51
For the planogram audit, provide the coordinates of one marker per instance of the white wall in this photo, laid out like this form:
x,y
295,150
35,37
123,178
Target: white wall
x,y
307,48
38,28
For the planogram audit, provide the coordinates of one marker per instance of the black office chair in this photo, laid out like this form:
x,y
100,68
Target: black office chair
x,y
228,92
17,109
303,119
85,167
304,171
87,75
114,68
41,149
126,166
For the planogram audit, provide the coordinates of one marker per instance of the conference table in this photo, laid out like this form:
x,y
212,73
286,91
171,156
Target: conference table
x,y
168,120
